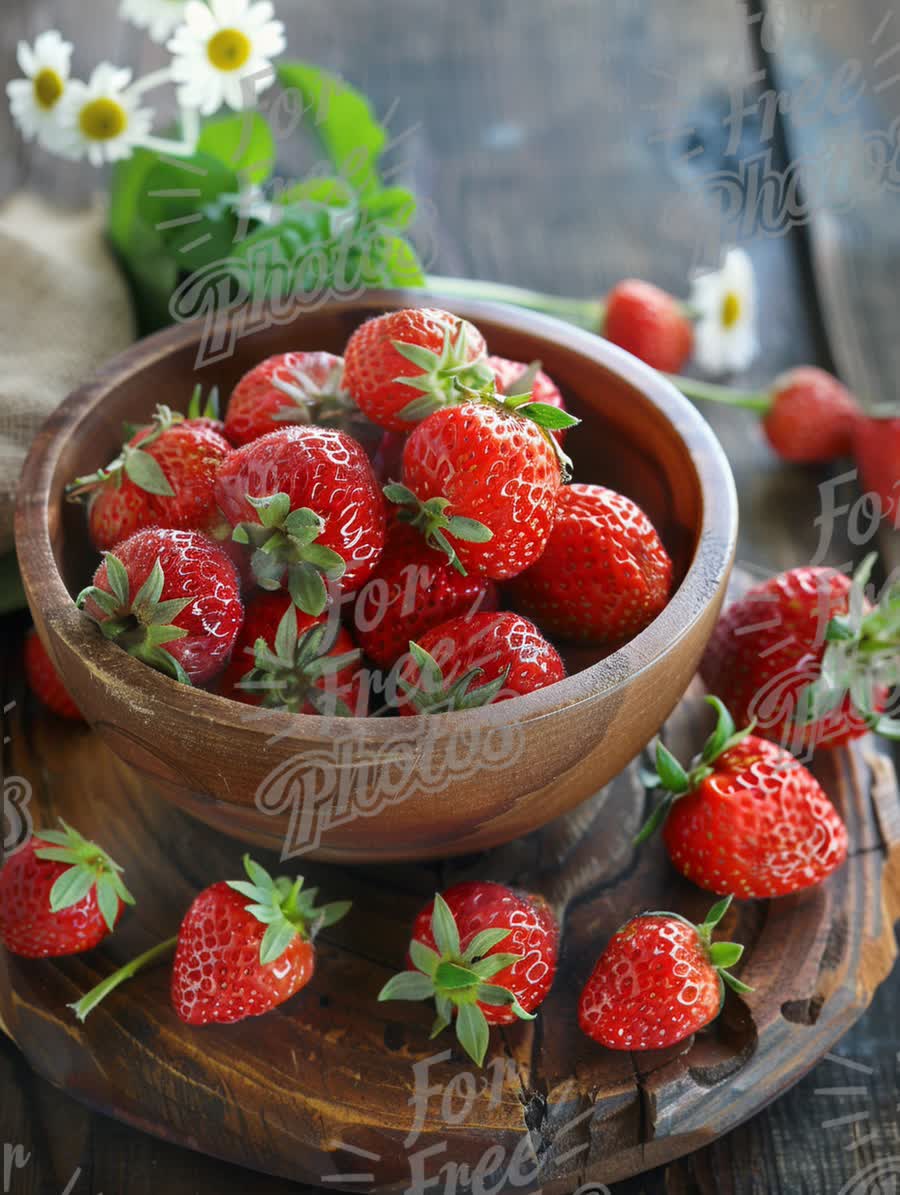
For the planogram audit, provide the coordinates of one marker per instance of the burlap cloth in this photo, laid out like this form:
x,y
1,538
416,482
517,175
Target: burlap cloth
x,y
64,310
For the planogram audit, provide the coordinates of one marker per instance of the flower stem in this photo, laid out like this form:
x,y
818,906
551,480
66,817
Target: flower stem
x,y
151,81
587,313
88,1003
748,400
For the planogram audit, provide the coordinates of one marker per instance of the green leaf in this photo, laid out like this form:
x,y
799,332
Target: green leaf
x,y
71,887
244,143
304,524
469,530
725,729
147,473
118,579
276,940
417,355
272,509
431,677
424,958
483,942
675,779
150,592
491,993
107,901
395,206
443,928
655,820
408,985
717,912
345,123
487,968
451,977
725,954
547,417
400,494
332,913
307,589
472,1032
398,265
736,984
286,635
326,560
258,874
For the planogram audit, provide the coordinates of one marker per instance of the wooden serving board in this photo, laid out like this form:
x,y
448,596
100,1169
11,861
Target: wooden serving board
x,y
319,1091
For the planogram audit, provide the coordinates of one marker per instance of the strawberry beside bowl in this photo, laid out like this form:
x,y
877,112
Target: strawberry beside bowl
x,y
364,789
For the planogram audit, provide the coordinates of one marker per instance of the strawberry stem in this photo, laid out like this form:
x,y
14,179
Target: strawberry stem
x,y
748,400
587,313
86,1005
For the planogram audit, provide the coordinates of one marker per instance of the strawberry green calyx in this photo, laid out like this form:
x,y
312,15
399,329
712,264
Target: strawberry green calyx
x,y
676,781
143,625
285,909
288,677
437,527
722,955
549,419
458,980
435,696
310,402
284,541
210,409
138,465
89,868
861,659
445,376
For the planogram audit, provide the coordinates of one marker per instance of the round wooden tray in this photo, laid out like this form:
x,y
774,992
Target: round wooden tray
x,y
325,1089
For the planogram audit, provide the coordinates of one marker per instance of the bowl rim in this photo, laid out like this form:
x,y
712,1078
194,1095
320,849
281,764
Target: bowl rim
x,y
705,575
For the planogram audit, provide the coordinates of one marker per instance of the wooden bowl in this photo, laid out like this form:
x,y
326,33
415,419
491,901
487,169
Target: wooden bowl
x,y
390,788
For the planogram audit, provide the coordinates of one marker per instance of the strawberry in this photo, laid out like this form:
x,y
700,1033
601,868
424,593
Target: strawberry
x,y
306,501
288,388
387,463
806,657
404,365
505,653
414,588
659,980
162,478
485,474
876,447
747,818
45,682
59,894
604,574
649,323
171,599
284,659
486,954
244,947
512,377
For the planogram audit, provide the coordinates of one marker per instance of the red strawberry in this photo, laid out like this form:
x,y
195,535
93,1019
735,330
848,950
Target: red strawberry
x,y
59,894
659,980
413,589
387,462
811,417
284,659
649,323
747,818
45,682
806,660
505,653
163,478
404,365
604,574
486,954
876,446
288,388
512,377
306,500
171,599
486,475
246,947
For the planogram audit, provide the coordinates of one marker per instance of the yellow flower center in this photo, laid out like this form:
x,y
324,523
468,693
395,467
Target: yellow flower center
x,y
731,310
48,87
229,49
103,120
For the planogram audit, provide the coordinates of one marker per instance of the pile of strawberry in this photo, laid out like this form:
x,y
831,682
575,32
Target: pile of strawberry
x,y
271,557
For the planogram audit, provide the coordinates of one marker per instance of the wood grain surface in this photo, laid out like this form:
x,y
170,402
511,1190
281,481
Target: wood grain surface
x,y
529,127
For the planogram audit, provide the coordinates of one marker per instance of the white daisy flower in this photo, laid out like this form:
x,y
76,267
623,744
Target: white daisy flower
x,y
724,301
102,119
36,100
159,17
223,51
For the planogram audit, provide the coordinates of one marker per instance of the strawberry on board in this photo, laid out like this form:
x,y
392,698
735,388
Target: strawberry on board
x,y
59,894
876,447
244,947
305,500
404,365
485,954
413,589
170,599
806,657
746,818
659,980
162,478
649,323
288,388
45,682
481,481
604,574
287,660
476,660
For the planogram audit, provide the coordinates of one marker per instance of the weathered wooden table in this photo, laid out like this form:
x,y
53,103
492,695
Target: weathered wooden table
x,y
564,145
